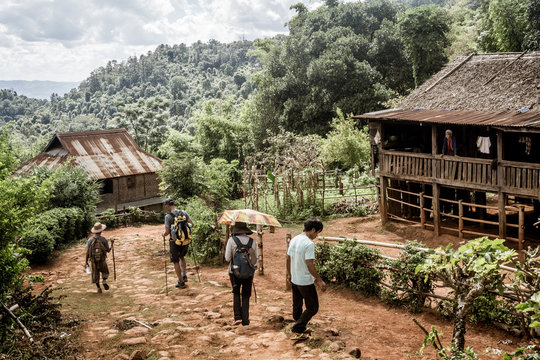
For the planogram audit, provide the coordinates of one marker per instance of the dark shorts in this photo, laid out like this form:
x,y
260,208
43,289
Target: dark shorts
x,y
177,251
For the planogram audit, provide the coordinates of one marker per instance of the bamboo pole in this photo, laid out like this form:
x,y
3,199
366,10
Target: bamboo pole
x,y
422,212
21,325
260,246
287,282
393,246
521,233
460,221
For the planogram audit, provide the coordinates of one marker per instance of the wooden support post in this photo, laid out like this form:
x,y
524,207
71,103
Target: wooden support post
x,y
340,186
436,209
287,282
260,249
460,228
382,201
521,232
422,212
323,190
501,184
434,172
502,214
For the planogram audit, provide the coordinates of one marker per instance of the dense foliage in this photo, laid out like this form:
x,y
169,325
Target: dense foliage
x,y
350,264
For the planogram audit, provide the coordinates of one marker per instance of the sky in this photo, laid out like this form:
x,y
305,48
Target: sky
x,y
64,40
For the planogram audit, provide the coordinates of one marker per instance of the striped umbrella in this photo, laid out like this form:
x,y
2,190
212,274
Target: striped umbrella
x,y
230,217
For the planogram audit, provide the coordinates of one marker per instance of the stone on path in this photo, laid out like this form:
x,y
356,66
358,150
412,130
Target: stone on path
x,y
212,315
138,355
354,352
136,331
334,332
134,341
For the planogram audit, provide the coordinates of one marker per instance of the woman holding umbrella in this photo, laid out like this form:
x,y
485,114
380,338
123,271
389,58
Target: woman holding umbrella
x,y
241,252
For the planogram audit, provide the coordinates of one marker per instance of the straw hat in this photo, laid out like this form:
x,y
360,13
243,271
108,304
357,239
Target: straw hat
x,y
98,227
241,228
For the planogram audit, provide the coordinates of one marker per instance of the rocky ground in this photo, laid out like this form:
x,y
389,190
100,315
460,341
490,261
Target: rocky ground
x,y
195,322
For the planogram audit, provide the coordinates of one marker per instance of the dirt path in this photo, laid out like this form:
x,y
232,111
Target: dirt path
x,y
194,322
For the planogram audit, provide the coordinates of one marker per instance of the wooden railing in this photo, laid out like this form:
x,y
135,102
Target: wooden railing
x,y
522,178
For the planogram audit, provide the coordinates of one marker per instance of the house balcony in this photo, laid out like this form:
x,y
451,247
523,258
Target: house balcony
x,y
510,177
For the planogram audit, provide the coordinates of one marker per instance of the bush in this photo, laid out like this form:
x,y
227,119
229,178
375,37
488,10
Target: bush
x,y
53,229
41,245
69,187
12,264
350,264
406,287
206,242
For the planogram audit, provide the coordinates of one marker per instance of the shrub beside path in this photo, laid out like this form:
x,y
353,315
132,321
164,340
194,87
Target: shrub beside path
x,y
195,322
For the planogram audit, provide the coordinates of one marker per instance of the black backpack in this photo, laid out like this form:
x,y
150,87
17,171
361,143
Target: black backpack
x,y
241,263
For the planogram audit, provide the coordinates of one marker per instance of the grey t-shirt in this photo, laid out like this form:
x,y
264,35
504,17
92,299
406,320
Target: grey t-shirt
x,y
169,218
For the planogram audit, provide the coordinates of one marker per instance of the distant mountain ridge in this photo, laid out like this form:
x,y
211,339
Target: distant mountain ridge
x,y
38,89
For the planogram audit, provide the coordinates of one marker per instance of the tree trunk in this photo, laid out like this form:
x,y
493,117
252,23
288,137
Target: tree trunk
x,y
458,337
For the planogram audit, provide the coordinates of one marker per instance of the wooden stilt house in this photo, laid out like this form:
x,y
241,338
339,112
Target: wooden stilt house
x,y
491,104
127,173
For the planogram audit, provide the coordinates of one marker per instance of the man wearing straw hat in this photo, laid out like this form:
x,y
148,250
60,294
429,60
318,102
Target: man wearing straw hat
x,y
97,248
243,286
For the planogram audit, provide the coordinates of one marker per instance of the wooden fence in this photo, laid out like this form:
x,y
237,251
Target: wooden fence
x,y
508,293
418,201
301,187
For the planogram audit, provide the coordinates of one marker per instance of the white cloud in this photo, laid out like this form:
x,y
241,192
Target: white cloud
x,y
65,40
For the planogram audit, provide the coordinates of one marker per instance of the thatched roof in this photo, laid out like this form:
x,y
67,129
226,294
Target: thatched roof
x,y
482,82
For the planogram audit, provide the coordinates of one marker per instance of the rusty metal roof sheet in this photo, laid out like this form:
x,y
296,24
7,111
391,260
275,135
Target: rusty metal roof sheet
x,y
102,154
527,119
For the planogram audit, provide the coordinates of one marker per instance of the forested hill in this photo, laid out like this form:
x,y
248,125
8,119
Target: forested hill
x,y
181,75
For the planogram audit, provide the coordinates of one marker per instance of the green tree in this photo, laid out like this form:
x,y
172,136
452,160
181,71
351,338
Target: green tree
x,y
468,270
424,31
145,120
218,131
345,146
504,25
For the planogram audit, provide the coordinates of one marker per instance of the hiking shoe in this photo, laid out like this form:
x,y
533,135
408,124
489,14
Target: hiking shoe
x,y
236,322
99,291
106,286
245,323
180,285
308,331
184,278
299,337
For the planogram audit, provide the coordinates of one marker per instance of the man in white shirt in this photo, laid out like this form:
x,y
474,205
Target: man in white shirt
x,y
303,276
243,286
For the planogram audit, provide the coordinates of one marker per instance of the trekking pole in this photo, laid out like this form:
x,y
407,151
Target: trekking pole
x,y
165,257
255,291
193,253
113,261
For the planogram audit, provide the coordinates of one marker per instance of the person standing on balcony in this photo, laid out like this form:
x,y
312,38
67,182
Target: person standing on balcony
x,y
449,145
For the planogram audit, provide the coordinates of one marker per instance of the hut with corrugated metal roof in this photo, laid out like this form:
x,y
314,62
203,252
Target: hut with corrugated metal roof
x,y
127,173
491,186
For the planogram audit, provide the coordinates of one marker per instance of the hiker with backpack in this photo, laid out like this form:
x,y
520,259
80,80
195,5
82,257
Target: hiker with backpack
x,y
97,248
241,252
177,227
303,276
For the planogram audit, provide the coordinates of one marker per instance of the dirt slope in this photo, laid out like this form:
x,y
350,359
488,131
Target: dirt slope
x,y
194,322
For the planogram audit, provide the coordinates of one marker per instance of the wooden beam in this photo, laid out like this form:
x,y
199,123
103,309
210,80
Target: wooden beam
x,y
382,200
502,214
436,209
